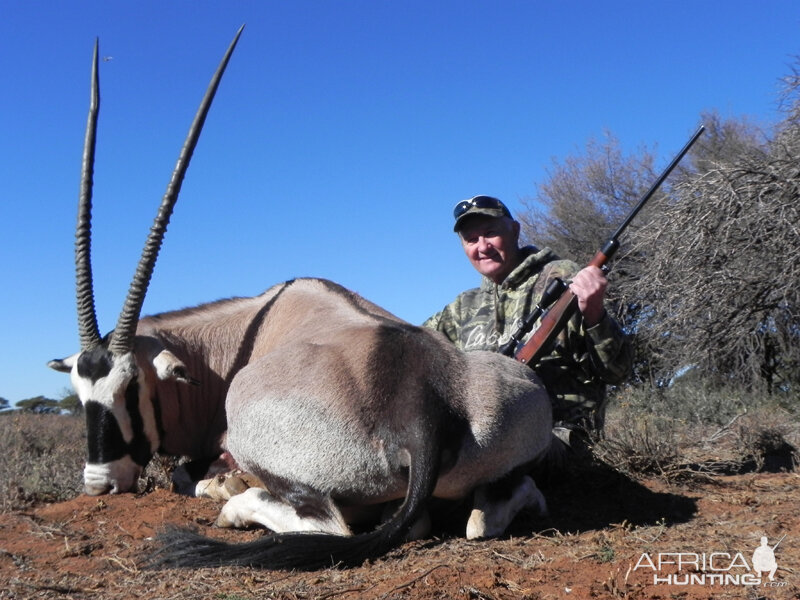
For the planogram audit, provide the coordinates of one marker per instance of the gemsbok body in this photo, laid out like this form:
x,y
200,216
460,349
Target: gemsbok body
x,y
338,406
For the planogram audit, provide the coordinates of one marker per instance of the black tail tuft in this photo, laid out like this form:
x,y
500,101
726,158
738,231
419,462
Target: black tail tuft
x,y
310,551
181,547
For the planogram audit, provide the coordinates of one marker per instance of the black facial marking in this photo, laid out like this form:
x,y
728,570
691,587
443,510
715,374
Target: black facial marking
x,y
95,363
103,434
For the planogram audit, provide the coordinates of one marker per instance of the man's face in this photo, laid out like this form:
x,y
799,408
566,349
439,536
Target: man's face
x,y
491,246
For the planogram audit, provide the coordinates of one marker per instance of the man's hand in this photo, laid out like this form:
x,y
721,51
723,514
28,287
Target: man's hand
x,y
589,285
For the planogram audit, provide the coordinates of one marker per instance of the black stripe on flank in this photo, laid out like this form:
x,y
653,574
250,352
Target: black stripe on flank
x,y
416,380
245,351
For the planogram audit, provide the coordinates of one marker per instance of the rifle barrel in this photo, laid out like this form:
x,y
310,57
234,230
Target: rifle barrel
x,y
778,542
658,182
553,321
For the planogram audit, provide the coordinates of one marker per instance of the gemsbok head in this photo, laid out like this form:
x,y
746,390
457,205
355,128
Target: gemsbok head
x,y
109,373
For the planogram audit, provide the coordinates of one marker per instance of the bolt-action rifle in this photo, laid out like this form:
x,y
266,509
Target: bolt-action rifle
x,y
558,303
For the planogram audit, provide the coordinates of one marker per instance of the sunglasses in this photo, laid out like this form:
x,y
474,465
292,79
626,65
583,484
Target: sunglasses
x,y
479,202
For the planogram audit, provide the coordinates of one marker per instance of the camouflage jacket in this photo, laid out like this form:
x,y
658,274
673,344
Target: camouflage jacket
x,y
583,360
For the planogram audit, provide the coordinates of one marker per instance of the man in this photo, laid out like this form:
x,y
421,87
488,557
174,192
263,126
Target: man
x,y
591,352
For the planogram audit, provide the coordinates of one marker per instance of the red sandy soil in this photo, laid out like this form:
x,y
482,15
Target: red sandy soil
x,y
600,525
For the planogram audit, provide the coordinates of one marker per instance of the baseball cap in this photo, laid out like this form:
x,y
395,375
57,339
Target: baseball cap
x,y
479,205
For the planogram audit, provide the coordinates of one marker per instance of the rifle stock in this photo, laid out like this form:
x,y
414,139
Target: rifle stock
x,y
551,325
555,318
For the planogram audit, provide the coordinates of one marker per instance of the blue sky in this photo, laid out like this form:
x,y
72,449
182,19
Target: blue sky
x,y
341,137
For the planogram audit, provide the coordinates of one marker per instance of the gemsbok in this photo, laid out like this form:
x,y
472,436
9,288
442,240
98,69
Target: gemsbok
x,y
338,406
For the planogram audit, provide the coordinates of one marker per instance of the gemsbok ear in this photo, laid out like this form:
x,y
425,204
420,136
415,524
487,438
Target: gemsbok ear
x,y
63,365
169,366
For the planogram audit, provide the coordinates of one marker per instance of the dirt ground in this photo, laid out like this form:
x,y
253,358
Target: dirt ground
x,y
603,539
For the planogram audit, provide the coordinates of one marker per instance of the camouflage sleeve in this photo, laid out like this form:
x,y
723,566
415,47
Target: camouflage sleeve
x,y
450,320
610,350
433,321
445,322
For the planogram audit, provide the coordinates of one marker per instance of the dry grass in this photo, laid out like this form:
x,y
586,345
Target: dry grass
x,y
644,446
681,432
42,458
694,432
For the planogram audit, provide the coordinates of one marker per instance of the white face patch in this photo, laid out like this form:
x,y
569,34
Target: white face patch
x,y
110,392
109,387
82,387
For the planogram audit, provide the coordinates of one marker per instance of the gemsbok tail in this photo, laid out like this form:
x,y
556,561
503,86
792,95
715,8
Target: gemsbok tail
x,y
181,547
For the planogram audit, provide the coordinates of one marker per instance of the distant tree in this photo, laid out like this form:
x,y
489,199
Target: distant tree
x,y
71,404
721,261
707,276
724,142
585,197
583,201
39,405
4,404
790,96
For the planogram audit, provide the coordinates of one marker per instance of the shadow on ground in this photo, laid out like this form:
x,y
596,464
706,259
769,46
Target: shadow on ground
x,y
595,496
582,498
